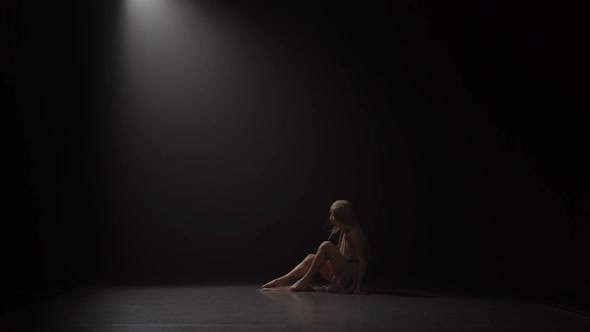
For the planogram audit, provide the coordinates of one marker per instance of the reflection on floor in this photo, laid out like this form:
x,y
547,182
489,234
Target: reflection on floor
x,y
246,308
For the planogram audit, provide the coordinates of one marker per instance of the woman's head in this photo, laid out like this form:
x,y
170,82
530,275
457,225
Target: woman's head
x,y
342,216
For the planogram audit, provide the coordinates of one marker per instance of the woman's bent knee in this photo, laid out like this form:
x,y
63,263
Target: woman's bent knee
x,y
310,256
326,244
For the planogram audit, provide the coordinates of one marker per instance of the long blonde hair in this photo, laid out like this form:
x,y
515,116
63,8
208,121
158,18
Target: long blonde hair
x,y
344,216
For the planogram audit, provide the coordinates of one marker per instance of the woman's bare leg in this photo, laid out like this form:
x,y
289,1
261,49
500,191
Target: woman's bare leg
x,y
297,272
326,252
326,271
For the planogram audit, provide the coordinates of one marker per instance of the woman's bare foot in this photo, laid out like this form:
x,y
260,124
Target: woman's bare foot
x,y
278,282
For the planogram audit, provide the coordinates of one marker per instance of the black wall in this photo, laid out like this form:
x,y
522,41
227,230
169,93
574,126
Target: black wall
x,y
454,129
52,191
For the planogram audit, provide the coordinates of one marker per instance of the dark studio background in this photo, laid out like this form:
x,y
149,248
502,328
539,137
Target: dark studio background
x,y
455,130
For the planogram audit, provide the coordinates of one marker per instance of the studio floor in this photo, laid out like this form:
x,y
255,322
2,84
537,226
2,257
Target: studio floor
x,y
246,308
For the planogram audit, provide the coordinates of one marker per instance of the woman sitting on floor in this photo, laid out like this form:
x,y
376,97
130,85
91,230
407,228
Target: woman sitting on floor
x,y
343,266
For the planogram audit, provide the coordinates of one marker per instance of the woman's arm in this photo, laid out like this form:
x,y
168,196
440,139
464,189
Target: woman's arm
x,y
360,247
362,267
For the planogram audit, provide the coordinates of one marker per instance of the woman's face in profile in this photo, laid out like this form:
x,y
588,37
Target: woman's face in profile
x,y
331,218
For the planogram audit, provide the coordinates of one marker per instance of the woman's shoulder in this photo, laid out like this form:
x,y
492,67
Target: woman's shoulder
x,y
356,233
357,230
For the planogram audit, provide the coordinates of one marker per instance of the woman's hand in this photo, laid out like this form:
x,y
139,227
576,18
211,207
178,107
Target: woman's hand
x,y
358,292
